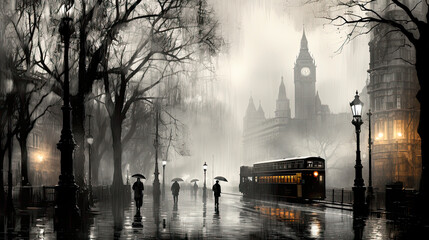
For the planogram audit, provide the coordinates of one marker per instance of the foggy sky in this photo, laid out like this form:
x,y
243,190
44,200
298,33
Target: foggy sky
x,y
263,38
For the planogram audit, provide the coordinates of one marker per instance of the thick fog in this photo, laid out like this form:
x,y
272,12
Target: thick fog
x,y
203,119
262,41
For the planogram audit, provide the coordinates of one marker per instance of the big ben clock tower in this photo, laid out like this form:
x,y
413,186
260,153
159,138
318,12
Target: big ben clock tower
x,y
305,82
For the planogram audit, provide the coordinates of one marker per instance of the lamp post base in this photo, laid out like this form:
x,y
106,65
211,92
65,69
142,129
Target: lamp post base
x,y
359,208
67,213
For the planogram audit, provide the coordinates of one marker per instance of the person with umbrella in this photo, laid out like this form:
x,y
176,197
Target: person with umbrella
x,y
216,190
195,189
175,188
138,188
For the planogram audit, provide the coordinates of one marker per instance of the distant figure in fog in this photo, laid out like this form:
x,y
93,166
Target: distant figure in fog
x,y
195,189
175,188
138,193
216,191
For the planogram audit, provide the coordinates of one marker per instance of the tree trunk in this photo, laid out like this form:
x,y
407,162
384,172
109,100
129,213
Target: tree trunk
x,y
95,166
2,192
116,127
78,123
24,159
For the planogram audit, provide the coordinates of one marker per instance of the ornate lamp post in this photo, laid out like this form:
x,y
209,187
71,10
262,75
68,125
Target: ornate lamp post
x,y
204,187
90,141
66,211
370,195
163,178
359,186
156,190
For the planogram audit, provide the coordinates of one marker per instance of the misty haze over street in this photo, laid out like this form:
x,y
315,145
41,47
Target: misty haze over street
x,y
262,119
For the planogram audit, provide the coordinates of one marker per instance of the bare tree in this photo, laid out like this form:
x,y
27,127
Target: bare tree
x,y
32,89
161,49
410,19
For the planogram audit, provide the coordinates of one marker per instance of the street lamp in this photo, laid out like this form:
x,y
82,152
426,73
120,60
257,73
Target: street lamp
x,y
359,186
66,211
156,190
370,196
204,188
163,178
90,141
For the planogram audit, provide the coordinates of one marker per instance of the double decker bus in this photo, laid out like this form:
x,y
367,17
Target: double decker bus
x,y
298,178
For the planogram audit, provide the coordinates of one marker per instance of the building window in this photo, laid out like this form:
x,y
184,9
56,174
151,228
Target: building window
x,y
379,104
398,131
35,141
398,102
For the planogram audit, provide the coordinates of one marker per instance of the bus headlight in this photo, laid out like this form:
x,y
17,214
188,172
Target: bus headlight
x,y
316,173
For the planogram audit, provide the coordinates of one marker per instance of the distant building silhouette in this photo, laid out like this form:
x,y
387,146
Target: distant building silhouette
x,y
305,83
276,137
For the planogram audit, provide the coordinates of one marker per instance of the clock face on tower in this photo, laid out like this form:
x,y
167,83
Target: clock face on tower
x,y
305,71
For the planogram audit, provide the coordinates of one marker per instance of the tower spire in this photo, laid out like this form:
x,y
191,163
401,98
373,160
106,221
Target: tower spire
x,y
304,42
282,90
282,103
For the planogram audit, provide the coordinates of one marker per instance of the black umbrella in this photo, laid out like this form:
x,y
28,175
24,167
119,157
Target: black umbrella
x,y
138,175
177,179
220,178
194,180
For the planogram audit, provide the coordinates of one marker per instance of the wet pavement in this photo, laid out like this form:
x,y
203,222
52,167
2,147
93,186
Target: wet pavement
x,y
196,218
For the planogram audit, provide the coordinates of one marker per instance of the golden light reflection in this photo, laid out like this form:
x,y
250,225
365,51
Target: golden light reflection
x,y
399,134
380,135
315,229
279,213
40,157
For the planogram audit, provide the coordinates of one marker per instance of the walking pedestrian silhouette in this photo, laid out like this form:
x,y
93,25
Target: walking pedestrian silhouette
x,y
216,191
175,188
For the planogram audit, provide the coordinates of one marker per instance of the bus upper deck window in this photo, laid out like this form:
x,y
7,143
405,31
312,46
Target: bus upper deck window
x,y
310,164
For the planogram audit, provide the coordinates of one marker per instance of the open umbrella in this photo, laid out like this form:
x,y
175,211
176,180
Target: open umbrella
x,y
177,179
138,175
194,180
220,178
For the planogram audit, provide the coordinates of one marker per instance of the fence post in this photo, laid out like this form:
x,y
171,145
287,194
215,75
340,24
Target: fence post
x,y
351,197
333,195
342,196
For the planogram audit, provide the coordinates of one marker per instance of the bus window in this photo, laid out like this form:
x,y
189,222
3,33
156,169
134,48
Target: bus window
x,y
298,178
321,178
310,164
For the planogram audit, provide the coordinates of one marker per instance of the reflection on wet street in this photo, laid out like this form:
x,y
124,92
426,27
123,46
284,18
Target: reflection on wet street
x,y
195,218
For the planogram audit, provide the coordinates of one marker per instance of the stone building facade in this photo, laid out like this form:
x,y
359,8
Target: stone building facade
x,y
392,90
